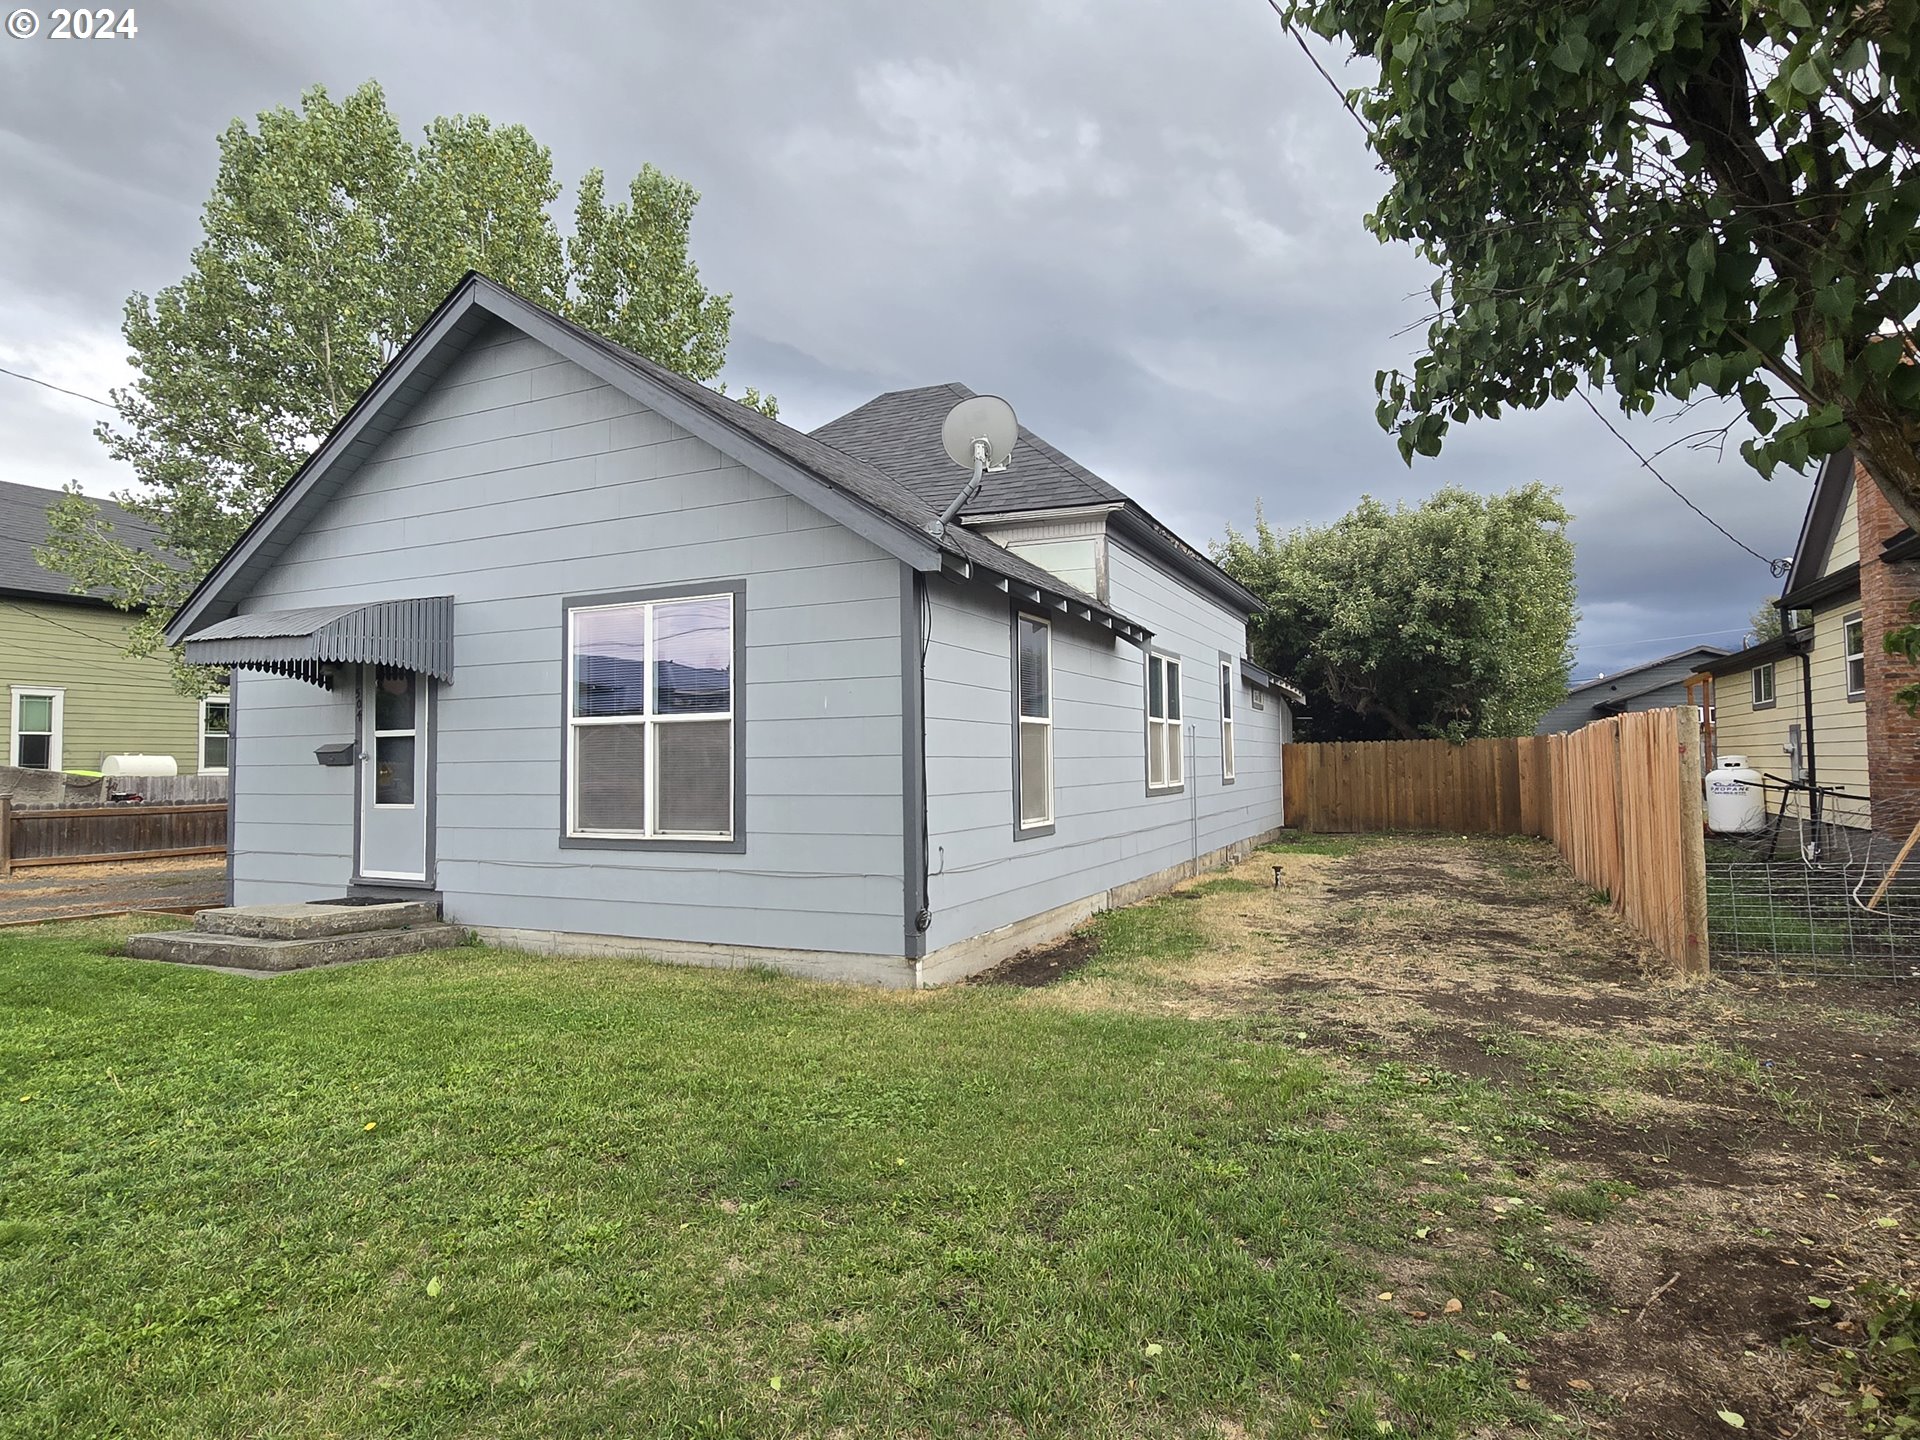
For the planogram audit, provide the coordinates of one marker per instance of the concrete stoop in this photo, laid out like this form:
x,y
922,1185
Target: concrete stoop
x,y
271,938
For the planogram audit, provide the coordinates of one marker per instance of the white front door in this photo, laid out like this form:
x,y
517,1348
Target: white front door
x,y
395,773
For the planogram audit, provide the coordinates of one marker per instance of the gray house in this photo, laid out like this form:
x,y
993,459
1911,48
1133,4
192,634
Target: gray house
x,y
1650,685
606,662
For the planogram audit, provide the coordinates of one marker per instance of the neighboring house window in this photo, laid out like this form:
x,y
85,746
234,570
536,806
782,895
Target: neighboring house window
x,y
1226,720
1035,771
213,735
1762,686
650,719
1856,646
37,717
1163,722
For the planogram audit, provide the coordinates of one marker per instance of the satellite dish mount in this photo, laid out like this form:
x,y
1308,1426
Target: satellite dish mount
x,y
978,435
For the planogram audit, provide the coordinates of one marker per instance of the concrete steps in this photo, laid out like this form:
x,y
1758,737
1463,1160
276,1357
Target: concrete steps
x,y
266,939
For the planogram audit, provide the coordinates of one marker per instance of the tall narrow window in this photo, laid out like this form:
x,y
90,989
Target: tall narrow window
x,y
1035,770
1226,720
1762,686
1856,646
36,728
650,719
396,737
1163,722
213,735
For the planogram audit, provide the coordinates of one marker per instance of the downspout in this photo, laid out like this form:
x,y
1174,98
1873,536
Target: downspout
x,y
1806,706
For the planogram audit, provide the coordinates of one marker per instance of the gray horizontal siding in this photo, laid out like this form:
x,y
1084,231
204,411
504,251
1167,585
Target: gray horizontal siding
x,y
1107,830
520,479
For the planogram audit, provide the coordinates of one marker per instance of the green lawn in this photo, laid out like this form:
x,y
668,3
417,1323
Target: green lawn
x,y
480,1193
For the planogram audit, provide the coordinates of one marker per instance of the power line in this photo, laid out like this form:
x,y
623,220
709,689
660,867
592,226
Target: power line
x,y
49,385
1314,60
1777,567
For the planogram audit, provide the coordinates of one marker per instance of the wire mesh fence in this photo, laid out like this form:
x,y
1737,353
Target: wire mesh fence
x,y
1808,916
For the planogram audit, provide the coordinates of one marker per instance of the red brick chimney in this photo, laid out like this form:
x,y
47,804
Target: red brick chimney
x,y
1893,735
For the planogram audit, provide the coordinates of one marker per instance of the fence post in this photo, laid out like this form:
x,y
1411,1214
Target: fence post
x,y
6,836
1693,959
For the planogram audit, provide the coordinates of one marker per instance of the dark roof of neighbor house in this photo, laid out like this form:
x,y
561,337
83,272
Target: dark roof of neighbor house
x,y
899,432
1710,651
23,529
846,488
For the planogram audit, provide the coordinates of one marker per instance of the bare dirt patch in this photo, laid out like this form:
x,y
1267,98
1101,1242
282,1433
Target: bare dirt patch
x,y
1765,1132
55,892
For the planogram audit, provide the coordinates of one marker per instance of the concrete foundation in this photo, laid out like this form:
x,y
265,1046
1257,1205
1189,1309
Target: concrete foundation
x,y
945,966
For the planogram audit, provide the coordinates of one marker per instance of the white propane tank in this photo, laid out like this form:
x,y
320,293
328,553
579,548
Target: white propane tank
x,y
142,766
1736,804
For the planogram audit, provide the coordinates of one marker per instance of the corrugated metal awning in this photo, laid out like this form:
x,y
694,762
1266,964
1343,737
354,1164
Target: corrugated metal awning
x,y
306,644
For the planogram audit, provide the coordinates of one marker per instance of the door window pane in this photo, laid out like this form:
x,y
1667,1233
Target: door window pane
x,y
393,695
695,777
610,660
610,777
393,770
693,656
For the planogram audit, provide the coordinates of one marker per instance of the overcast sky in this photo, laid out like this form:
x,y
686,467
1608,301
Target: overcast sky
x,y
1141,223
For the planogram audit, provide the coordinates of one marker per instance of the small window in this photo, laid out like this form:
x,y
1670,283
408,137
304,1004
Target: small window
x,y
214,713
1034,771
1762,686
1163,723
650,719
36,728
1226,721
396,737
1855,633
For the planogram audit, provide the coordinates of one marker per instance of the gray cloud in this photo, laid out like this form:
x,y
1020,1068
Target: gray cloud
x,y
1139,222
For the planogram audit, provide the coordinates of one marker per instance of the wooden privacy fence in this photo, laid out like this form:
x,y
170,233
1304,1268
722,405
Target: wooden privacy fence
x,y
90,834
1620,799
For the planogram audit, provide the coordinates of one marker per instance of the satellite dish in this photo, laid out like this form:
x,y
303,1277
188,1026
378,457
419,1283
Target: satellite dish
x,y
984,418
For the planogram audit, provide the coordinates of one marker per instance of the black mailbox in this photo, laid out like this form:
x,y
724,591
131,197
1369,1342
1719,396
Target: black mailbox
x,y
340,754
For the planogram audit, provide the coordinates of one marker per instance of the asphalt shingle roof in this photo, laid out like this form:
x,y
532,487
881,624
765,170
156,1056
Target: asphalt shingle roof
x,y
23,529
900,433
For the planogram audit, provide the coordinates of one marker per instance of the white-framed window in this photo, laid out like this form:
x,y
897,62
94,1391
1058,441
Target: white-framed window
x,y
215,712
1226,721
34,734
1034,642
650,742
1763,686
1163,722
1854,634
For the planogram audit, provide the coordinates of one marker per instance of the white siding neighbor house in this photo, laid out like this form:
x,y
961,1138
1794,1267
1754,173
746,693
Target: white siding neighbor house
x,y
600,660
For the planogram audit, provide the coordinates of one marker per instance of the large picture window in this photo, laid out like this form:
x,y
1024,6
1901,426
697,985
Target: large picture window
x,y
36,728
1034,772
214,714
1226,721
1163,723
650,750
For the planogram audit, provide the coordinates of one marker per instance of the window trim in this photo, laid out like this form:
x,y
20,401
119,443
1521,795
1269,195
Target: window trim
x,y
56,746
735,843
1848,657
1176,723
1022,830
225,698
1753,686
1229,682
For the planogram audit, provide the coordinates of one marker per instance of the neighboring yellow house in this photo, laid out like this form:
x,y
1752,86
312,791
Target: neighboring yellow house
x,y
73,696
1797,706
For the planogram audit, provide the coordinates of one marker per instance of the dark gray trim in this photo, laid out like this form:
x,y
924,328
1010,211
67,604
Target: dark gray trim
x,y
1841,582
432,817
913,763
688,590
1227,687
1015,613
1791,643
1824,509
1172,555
233,767
1157,792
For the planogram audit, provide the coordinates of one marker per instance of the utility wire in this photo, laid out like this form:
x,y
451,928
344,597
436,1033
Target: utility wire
x,y
48,384
1314,60
1777,567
